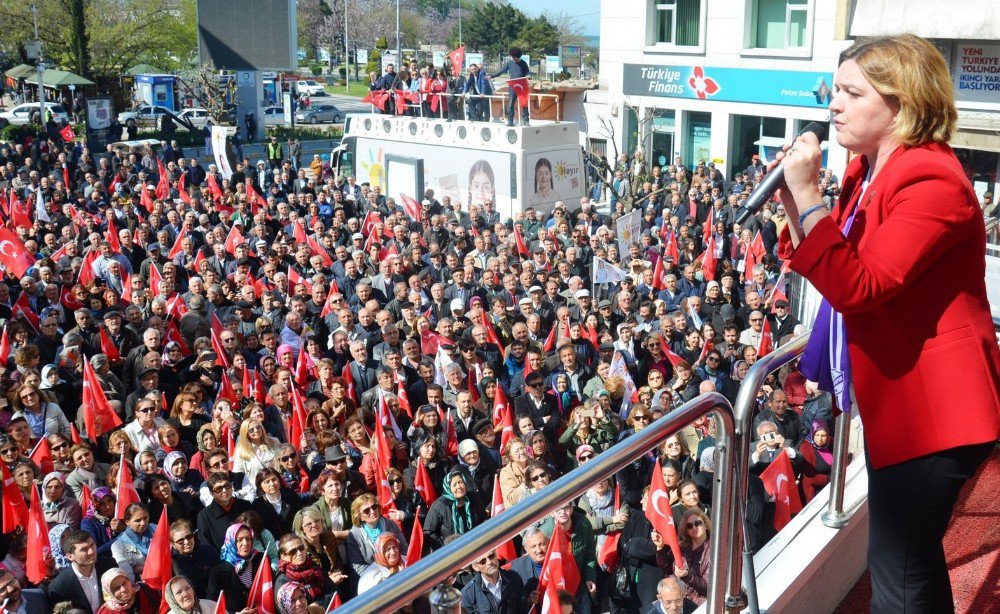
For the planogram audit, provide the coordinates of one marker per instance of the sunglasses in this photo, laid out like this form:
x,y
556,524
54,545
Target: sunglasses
x,y
489,557
370,509
641,418
586,457
9,451
695,524
287,458
185,538
60,447
222,489
294,551
395,481
540,476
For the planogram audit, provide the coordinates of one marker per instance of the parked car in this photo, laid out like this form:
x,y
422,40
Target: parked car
x,y
309,87
21,114
146,116
197,116
317,113
274,116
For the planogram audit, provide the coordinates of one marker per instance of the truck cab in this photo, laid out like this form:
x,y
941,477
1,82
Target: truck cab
x,y
471,162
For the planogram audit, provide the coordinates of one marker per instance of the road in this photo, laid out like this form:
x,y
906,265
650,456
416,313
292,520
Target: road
x,y
347,104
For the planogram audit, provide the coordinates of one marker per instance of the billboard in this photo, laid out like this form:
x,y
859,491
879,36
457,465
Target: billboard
x,y
261,35
99,115
784,87
976,72
550,176
464,175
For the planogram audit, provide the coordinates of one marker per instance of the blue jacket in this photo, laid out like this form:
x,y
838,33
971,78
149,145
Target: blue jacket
x,y
479,85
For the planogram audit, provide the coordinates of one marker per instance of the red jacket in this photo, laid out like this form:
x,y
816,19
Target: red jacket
x,y
910,281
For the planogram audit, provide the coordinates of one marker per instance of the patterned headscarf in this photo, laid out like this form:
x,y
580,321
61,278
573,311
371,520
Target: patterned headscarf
x,y
109,599
229,553
285,594
168,463
381,545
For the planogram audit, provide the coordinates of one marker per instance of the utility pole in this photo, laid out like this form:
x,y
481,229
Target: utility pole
x,y
399,53
40,66
347,54
459,23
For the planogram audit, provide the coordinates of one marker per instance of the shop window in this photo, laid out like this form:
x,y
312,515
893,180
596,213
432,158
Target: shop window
x,y
779,24
677,23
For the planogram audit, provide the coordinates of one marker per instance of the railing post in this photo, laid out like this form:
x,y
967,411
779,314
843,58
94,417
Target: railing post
x,y
834,516
724,507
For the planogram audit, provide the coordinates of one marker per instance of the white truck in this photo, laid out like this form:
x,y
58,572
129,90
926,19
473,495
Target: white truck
x,y
515,167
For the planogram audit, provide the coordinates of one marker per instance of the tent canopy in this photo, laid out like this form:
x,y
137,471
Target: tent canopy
x,y
144,69
20,71
53,77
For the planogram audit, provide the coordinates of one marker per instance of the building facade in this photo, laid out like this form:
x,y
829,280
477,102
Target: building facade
x,y
723,80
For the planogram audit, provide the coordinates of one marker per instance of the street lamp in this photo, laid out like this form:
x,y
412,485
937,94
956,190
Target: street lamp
x,y
40,67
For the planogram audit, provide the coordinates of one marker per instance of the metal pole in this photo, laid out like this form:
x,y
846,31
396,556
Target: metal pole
x,y
347,55
446,599
459,23
41,70
834,516
399,52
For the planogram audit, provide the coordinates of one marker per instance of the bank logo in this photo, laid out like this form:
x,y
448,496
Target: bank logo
x,y
703,85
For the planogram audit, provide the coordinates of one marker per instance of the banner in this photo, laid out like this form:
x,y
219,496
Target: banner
x,y
607,273
628,228
219,151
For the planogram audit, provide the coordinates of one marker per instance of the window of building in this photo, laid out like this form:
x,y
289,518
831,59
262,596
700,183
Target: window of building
x,y
698,140
779,24
676,23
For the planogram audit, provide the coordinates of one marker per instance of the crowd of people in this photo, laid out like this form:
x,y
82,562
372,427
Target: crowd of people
x,y
295,374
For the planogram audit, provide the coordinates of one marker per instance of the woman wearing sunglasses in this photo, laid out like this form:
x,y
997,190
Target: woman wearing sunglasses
x,y
275,502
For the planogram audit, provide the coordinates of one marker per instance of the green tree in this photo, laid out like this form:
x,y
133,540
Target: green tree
x,y
538,38
492,28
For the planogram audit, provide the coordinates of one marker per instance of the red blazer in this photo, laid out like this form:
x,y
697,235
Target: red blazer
x,y
910,281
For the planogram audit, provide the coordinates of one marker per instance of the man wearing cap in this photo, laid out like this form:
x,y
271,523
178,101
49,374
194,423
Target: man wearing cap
x,y
782,322
583,306
335,461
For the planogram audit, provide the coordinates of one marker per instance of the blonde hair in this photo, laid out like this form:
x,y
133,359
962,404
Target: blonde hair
x,y
911,71
244,448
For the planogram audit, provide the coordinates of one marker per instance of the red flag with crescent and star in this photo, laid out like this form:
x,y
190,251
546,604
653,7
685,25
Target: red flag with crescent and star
x,y
660,514
15,257
779,482
39,548
262,590
457,59
521,90
559,567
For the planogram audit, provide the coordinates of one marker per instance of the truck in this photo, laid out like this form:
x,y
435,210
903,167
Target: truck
x,y
515,167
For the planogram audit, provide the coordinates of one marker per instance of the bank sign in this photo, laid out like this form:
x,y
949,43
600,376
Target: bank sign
x,y
783,87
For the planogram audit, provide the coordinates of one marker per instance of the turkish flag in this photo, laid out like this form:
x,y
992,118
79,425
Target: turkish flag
x,y
415,551
111,234
40,559
708,260
550,600
15,510
328,307
316,249
404,399
4,347
221,358
334,603
19,213
234,238
658,283
145,199
23,307
178,246
671,356
429,341
294,278
411,207
159,568
298,422
505,552
108,347
174,334
163,184
457,59
42,455
13,254
705,349
766,345
423,484
521,90
349,381
125,490
550,341
755,253
254,198
661,516
779,482
155,278
778,292
67,133
98,417
213,187
559,567
74,434
607,556
182,189
303,366
522,247
226,391
377,98
220,605
87,269
262,590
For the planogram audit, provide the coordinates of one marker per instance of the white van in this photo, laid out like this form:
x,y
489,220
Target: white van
x,y
516,167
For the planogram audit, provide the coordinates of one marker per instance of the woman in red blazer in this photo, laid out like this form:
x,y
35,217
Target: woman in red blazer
x,y
908,278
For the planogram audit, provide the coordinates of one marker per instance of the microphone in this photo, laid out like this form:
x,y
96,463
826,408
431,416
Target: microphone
x,y
773,179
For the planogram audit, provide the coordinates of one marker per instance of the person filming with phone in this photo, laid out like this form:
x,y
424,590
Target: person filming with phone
x,y
770,443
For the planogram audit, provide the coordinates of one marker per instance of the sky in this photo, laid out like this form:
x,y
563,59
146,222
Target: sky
x,y
588,11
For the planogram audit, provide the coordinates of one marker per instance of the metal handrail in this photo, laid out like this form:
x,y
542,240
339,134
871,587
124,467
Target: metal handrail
x,y
401,588
746,399
487,97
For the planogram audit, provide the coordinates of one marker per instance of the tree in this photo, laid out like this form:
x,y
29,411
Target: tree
x,y
538,38
634,173
211,93
492,28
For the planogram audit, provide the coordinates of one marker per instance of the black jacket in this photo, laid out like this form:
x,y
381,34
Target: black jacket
x,y
275,521
638,554
196,567
513,598
66,587
213,522
524,405
223,578
438,524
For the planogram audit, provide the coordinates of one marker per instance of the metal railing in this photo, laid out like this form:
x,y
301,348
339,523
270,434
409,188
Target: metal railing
x,y
485,99
401,588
